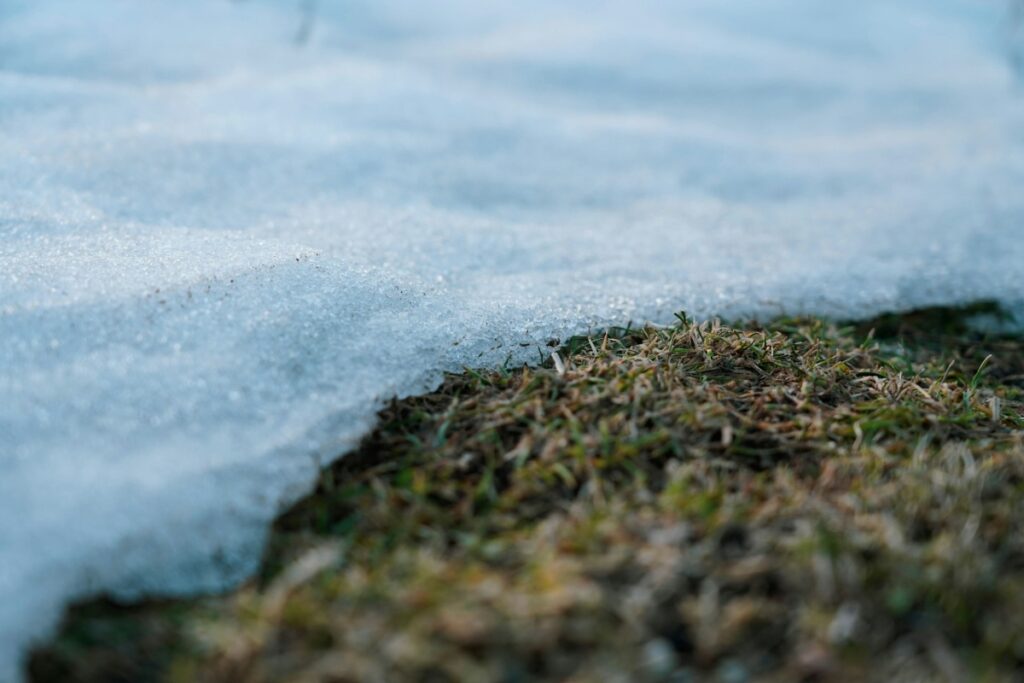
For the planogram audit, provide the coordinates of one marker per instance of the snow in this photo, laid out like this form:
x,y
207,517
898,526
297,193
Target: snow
x,y
229,230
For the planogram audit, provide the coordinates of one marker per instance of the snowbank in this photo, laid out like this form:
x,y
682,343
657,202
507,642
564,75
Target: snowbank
x,y
228,230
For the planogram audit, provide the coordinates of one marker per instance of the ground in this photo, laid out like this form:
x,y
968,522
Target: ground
x,y
795,501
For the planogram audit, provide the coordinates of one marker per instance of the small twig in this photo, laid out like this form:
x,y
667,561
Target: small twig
x,y
306,23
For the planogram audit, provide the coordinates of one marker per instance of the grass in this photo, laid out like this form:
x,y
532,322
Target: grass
x,y
796,501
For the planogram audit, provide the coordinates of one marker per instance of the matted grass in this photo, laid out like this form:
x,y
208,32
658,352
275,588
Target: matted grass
x,y
797,501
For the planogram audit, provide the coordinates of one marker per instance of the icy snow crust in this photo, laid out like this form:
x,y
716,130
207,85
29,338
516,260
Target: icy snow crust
x,y
228,230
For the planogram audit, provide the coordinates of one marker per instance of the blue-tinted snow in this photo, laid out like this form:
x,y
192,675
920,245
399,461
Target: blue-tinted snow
x,y
229,229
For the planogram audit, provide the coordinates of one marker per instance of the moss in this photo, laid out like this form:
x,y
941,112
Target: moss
x,y
797,500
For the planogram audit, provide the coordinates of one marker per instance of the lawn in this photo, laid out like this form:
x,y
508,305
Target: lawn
x,y
801,500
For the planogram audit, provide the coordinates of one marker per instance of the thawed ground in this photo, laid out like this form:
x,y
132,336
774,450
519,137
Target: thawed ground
x,y
228,230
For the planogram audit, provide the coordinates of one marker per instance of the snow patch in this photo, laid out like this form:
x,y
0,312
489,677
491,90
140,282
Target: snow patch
x,y
229,230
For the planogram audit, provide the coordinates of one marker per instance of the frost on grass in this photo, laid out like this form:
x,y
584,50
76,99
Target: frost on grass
x,y
222,247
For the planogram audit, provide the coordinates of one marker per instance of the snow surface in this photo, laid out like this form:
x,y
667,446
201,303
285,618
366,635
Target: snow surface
x,y
228,230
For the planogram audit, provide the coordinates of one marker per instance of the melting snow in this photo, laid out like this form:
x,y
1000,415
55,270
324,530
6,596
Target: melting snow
x,y
228,230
